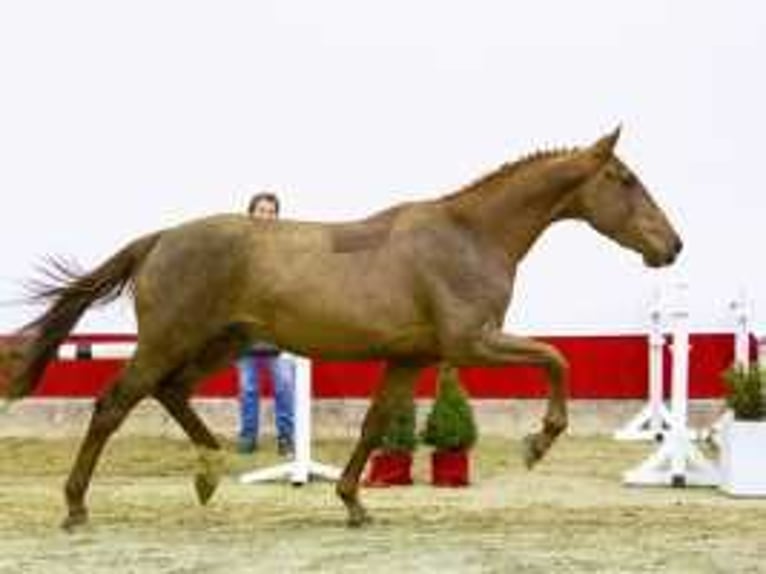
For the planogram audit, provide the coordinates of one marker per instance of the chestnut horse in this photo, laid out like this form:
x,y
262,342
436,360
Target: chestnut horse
x,y
419,283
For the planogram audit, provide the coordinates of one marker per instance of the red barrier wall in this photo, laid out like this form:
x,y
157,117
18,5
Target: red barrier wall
x,y
601,367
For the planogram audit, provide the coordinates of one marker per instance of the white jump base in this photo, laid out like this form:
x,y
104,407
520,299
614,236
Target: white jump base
x,y
677,461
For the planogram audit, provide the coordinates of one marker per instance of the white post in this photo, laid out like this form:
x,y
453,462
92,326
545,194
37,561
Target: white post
x,y
679,393
739,309
659,415
654,417
302,439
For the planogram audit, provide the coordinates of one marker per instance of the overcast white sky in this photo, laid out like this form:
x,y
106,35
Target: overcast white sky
x,y
120,118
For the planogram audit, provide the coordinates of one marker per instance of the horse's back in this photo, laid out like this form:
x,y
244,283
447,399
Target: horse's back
x,y
322,288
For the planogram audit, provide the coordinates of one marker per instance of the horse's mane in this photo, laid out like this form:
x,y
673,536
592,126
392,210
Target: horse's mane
x,y
506,170
373,231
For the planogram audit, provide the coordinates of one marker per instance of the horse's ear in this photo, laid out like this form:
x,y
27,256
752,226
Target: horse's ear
x,y
587,161
604,147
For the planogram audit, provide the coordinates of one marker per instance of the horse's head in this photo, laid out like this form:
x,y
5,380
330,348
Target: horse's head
x,y
615,203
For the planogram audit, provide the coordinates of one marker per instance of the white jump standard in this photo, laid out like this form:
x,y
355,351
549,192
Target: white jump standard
x,y
677,461
301,468
654,419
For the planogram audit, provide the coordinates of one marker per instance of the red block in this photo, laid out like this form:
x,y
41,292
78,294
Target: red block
x,y
450,468
389,469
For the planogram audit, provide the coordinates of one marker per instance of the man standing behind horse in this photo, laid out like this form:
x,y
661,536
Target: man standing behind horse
x,y
265,206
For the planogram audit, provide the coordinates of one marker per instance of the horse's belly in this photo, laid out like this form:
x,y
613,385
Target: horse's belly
x,y
323,336
347,306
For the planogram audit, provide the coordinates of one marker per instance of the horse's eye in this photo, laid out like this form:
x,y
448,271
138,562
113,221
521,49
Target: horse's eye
x,y
623,176
627,178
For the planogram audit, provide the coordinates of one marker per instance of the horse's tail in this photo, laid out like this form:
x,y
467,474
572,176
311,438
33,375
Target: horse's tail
x,y
70,293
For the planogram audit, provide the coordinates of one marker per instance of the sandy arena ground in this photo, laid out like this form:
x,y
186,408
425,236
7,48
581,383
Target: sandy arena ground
x,y
569,515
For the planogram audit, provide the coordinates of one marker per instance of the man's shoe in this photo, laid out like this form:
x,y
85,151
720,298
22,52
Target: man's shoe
x,y
246,445
285,447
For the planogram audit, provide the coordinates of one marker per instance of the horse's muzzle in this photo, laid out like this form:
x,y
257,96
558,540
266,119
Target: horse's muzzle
x,y
665,257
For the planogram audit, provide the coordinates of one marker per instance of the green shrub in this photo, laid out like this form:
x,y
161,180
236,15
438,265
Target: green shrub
x,y
400,433
746,392
450,425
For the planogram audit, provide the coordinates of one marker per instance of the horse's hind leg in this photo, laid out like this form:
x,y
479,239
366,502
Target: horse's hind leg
x,y
109,412
174,392
395,393
176,402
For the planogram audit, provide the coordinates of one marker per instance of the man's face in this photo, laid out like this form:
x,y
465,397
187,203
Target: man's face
x,y
265,209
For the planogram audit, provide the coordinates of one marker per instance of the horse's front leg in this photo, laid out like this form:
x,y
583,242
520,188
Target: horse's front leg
x,y
496,347
395,392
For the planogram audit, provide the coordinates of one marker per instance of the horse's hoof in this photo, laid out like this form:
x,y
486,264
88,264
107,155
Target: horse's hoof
x,y
74,521
205,486
209,465
530,451
358,518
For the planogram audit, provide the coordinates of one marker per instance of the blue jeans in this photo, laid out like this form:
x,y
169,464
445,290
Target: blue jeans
x,y
282,370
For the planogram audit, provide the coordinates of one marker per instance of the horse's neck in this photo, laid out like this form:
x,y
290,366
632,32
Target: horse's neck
x,y
512,214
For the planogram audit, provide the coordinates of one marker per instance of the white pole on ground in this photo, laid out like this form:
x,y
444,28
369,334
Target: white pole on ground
x,y
654,418
299,470
677,461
